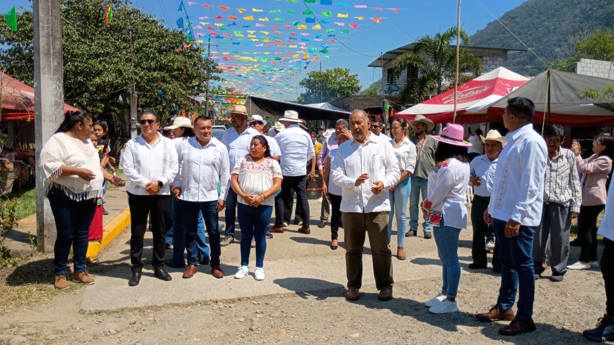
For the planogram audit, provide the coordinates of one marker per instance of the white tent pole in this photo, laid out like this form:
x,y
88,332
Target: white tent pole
x,y
458,39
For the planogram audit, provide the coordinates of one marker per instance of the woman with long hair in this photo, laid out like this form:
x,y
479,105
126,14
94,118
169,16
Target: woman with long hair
x,y
445,207
596,171
73,182
256,178
405,152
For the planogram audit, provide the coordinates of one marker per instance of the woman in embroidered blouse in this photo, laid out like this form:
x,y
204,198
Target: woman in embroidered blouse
x,y
595,172
255,178
445,205
405,152
73,181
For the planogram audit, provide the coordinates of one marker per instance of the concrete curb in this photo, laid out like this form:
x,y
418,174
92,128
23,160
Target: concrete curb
x,y
112,229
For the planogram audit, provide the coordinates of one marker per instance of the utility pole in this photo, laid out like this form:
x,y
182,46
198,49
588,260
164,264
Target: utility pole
x,y
49,94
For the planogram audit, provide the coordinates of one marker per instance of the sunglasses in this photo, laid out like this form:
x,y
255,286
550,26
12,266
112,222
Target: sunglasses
x,y
149,122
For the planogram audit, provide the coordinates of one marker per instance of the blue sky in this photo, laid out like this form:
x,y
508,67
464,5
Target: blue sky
x,y
352,48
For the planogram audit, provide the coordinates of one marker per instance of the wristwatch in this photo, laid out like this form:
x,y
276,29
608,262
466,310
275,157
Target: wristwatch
x,y
160,184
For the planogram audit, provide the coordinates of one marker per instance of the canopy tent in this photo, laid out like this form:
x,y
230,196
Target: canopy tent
x,y
17,100
472,98
561,94
271,107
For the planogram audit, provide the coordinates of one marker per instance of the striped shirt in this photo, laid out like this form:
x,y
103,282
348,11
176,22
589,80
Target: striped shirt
x,y
562,181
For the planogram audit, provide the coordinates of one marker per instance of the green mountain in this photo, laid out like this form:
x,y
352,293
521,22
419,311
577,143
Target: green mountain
x,y
549,28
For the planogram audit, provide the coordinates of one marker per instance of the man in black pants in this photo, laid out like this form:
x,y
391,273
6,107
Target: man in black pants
x,y
150,163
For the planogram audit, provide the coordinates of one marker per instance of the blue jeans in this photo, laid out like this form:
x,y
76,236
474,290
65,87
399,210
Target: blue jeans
x,y
398,206
254,222
190,211
446,238
177,237
72,223
230,214
517,270
418,186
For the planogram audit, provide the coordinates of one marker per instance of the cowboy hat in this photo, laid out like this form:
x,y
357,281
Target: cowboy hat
x,y
291,116
421,118
494,135
452,134
238,109
257,118
278,126
179,121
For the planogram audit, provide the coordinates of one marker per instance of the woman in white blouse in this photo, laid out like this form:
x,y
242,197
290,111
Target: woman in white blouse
x,y
256,178
73,181
405,152
445,206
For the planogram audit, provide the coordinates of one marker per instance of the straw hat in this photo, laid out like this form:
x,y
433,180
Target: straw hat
x,y
278,126
257,118
239,109
291,116
179,121
421,118
494,135
452,134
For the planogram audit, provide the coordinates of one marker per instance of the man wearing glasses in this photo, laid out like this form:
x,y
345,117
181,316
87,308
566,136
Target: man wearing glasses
x,y
377,128
150,163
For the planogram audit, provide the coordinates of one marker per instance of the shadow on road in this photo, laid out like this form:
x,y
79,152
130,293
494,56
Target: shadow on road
x,y
309,287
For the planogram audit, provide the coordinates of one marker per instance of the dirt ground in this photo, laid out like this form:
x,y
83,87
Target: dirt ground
x,y
562,311
32,312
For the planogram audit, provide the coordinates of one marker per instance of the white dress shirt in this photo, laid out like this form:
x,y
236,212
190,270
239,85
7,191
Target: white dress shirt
x,y
483,168
406,154
374,157
296,150
273,146
518,190
238,144
201,169
477,146
447,191
606,228
143,163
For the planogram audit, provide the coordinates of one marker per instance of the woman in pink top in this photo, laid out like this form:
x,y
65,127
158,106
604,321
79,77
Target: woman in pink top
x,y
595,172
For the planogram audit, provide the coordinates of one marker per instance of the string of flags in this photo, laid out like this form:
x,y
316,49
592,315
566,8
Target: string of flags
x,y
270,45
11,19
107,6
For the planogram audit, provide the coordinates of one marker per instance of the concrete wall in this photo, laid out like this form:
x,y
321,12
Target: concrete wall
x,y
596,68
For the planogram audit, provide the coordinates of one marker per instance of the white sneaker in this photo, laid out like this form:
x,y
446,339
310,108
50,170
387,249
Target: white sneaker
x,y
434,301
259,273
579,265
444,307
241,272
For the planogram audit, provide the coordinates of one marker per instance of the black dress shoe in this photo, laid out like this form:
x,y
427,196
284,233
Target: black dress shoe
x,y
322,224
161,274
476,266
135,278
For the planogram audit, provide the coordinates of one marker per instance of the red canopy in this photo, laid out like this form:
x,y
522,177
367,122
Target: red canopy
x,y
18,100
472,98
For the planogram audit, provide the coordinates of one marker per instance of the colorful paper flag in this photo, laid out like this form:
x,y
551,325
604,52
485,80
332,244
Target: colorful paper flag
x,y
108,15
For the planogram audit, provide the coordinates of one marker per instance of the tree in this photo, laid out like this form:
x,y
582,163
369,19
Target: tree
x,y
433,64
101,62
323,86
599,46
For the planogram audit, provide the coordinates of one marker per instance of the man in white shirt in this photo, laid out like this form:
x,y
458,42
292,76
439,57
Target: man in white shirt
x,y
482,177
150,163
203,164
296,150
237,140
377,129
515,210
259,123
365,168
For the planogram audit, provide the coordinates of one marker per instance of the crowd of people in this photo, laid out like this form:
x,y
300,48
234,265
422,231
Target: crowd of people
x,y
526,190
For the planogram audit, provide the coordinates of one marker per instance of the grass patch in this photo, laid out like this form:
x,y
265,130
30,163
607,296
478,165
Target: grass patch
x,y
26,203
